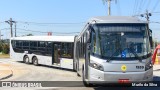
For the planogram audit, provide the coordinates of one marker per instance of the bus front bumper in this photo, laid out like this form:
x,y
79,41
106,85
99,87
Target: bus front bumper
x,y
114,77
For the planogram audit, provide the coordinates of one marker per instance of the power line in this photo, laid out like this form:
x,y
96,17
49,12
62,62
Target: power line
x,y
155,5
30,30
2,22
148,4
134,6
118,7
46,32
48,23
143,4
155,12
140,7
155,22
5,29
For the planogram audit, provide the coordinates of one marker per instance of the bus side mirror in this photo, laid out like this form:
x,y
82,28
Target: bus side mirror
x,y
150,38
151,41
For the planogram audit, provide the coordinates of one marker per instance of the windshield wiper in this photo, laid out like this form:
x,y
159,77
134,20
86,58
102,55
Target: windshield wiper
x,y
113,54
135,54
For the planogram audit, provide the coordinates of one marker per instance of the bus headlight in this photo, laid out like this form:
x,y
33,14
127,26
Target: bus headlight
x,y
148,65
96,66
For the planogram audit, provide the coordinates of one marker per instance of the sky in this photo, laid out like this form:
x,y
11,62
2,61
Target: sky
x,y
69,16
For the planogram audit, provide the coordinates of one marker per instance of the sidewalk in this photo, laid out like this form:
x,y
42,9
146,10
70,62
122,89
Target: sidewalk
x,y
5,72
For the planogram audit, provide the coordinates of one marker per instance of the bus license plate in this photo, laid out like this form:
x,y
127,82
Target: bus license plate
x,y
123,81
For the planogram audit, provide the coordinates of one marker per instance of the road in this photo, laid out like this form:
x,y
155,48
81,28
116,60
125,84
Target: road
x,y
29,72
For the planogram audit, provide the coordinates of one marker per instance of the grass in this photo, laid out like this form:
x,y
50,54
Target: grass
x,y
4,56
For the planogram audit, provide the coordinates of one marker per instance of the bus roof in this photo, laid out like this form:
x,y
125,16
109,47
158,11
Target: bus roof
x,y
111,19
46,38
116,19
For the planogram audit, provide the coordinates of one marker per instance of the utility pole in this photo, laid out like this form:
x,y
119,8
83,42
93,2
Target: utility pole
x,y
109,6
11,23
15,30
147,14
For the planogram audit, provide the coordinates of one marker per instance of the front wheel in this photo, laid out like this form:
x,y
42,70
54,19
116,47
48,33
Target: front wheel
x,y
35,61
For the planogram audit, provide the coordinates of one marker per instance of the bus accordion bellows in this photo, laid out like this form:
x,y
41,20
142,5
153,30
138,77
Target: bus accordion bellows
x,y
45,50
112,49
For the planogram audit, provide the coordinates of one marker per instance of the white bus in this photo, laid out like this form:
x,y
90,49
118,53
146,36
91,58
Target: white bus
x,y
114,49
46,50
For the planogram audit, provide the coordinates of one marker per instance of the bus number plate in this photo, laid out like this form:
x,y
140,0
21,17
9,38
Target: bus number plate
x,y
139,67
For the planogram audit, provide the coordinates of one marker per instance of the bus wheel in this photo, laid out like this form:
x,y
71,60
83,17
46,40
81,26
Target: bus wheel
x,y
26,59
35,61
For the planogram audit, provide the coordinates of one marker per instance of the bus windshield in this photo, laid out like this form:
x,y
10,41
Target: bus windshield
x,y
120,41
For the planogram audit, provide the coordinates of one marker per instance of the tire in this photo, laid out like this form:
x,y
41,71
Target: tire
x,y
26,59
35,61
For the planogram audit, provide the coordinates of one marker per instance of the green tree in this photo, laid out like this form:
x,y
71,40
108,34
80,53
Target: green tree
x,y
5,48
29,34
0,47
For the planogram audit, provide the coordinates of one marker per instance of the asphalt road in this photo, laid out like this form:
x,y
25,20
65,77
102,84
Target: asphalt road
x,y
29,72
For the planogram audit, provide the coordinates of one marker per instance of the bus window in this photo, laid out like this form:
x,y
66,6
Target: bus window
x,y
33,45
18,46
13,44
41,46
67,50
49,48
25,45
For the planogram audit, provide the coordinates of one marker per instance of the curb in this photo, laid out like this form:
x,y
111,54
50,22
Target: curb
x,y
6,73
8,76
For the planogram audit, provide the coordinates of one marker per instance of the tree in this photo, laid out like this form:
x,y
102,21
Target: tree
x,y
5,48
1,47
29,34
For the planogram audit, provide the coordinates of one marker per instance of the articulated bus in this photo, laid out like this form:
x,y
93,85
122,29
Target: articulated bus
x,y
114,49
109,49
46,50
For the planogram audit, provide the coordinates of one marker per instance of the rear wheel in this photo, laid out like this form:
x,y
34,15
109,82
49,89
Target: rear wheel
x,y
26,59
35,61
